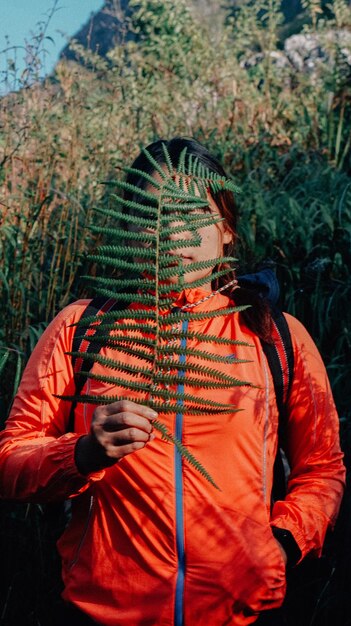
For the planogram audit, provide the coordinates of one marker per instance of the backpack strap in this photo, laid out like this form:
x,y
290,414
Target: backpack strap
x,y
280,357
97,306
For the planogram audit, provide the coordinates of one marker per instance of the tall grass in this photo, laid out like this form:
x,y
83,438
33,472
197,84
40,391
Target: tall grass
x,y
296,211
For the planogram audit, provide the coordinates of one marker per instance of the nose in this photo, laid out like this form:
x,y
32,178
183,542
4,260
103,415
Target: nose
x,y
176,230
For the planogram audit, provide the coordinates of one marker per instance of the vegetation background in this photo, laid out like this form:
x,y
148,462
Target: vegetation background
x,y
219,72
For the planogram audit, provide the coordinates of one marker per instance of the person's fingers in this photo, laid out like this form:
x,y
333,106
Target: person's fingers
x,y
122,427
124,421
127,406
128,436
121,415
119,451
122,442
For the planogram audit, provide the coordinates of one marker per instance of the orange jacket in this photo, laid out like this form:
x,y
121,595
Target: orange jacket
x,y
150,539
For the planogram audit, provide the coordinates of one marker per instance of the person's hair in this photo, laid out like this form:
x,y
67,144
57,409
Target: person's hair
x,y
257,317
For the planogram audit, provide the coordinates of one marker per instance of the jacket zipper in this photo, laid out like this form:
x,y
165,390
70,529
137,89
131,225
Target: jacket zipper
x,y
179,593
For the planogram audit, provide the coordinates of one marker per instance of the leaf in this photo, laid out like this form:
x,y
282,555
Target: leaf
x,y
150,179
183,451
203,337
3,361
135,206
147,195
120,263
174,317
17,373
121,283
128,251
149,276
104,318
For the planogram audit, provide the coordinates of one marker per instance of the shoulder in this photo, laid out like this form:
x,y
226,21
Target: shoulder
x,y
58,336
306,353
64,321
70,314
299,334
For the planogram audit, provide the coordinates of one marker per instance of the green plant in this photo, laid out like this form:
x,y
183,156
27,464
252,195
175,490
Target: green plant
x,y
296,211
148,336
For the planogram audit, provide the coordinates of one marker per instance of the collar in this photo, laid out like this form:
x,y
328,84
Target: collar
x,y
194,295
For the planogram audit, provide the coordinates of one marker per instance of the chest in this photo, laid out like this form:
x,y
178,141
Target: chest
x,y
200,367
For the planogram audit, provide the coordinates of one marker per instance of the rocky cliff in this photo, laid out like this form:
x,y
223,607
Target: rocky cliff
x,y
107,27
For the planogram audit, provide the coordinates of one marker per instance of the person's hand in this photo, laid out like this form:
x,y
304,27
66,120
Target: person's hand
x,y
116,430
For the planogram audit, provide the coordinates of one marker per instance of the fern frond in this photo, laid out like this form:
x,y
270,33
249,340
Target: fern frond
x,y
128,251
182,196
204,383
159,407
105,318
132,370
140,222
219,184
145,372
173,317
122,283
122,234
144,176
114,342
128,297
118,381
182,169
174,202
138,353
163,289
201,337
121,264
126,326
185,207
133,205
117,343
183,451
171,334
156,166
142,193
103,360
168,246
202,369
189,267
200,354
161,393
184,228
191,409
167,160
115,213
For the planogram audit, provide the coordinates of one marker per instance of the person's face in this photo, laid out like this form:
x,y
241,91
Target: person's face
x,y
212,239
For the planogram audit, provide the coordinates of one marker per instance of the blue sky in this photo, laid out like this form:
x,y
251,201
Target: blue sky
x,y
19,21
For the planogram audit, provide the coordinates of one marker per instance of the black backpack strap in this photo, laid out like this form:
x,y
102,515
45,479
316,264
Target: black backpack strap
x,y
97,306
280,357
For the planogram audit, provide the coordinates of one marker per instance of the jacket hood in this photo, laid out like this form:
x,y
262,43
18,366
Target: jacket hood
x,y
263,282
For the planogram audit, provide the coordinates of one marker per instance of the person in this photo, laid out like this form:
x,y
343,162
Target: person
x,y
150,542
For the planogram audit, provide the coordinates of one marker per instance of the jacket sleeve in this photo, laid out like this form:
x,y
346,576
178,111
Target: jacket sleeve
x,y
316,482
36,454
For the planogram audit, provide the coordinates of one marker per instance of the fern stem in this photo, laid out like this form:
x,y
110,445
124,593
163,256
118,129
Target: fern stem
x,y
183,451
